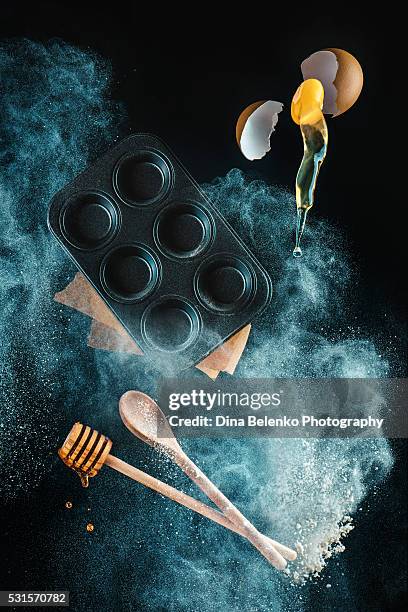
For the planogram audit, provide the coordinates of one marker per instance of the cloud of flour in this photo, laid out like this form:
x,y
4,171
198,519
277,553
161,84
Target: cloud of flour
x,y
54,117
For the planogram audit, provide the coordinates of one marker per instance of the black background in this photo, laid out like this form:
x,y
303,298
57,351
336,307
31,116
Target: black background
x,y
188,83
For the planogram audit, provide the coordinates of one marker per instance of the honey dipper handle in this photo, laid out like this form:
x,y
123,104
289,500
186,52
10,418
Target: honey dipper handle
x,y
258,540
183,499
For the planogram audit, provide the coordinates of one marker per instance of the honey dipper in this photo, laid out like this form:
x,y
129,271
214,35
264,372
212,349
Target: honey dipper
x,y
85,451
143,417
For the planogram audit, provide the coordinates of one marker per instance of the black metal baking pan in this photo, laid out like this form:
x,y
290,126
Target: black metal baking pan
x,y
164,260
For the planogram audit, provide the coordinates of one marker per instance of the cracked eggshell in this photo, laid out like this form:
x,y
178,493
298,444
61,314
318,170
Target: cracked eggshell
x,y
341,76
255,126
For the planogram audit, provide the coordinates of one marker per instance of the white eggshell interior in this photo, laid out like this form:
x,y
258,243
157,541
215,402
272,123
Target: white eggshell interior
x,y
323,65
255,137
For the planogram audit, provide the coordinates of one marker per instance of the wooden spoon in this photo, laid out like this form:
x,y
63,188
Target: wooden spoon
x,y
143,417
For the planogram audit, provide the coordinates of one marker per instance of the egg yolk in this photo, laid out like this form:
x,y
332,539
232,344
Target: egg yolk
x,y
307,102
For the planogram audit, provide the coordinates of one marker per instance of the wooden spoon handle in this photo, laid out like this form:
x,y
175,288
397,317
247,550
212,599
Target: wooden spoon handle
x,y
185,500
230,511
168,491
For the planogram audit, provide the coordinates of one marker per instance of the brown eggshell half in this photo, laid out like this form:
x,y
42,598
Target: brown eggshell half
x,y
349,80
243,118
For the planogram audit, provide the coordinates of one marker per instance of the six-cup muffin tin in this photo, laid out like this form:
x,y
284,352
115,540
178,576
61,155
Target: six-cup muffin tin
x,y
161,256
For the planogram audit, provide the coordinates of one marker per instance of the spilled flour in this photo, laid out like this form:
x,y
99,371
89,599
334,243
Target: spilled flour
x,y
56,116
308,567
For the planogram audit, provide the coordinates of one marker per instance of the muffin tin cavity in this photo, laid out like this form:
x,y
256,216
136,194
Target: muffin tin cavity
x,y
224,283
130,273
183,230
89,220
142,179
170,324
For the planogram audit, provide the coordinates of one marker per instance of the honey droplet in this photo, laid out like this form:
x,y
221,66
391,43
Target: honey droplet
x,y
90,527
84,480
68,505
83,477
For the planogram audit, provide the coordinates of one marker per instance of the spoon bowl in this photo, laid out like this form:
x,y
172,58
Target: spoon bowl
x,y
143,417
